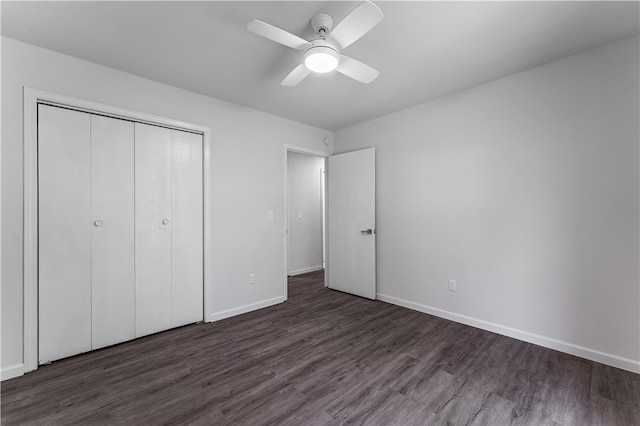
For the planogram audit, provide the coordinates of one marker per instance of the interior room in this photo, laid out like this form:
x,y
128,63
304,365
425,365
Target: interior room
x,y
320,212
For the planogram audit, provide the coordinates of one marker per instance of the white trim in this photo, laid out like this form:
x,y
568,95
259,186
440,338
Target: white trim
x,y
31,98
11,372
30,244
303,150
217,316
300,150
570,348
305,270
1,373
207,248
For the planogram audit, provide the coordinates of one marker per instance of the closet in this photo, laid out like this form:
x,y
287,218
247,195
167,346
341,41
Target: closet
x,y
120,230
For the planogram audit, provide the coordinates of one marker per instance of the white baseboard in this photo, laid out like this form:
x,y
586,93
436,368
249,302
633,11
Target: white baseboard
x,y
305,270
216,316
11,372
580,351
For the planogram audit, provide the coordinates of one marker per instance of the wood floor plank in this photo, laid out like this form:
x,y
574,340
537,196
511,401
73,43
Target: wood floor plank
x,y
397,410
324,358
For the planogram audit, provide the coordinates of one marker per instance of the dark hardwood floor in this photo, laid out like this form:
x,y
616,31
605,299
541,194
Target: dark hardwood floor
x,y
324,358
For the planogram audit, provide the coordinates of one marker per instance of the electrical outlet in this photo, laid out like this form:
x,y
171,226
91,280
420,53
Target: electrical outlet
x,y
452,285
269,215
252,278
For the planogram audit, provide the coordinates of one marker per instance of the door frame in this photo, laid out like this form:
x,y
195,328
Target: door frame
x,y
32,97
305,151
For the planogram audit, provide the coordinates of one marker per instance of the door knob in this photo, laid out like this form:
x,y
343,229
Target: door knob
x,y
165,221
97,223
367,231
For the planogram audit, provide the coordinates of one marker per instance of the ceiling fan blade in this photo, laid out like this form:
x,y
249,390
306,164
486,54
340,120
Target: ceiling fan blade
x,y
356,70
296,76
356,24
276,34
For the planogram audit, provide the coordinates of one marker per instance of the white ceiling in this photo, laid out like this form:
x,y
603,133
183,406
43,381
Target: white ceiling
x,y
423,50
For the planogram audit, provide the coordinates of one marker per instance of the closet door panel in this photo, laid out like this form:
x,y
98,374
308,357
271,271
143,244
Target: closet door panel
x,y
64,231
152,229
112,202
187,233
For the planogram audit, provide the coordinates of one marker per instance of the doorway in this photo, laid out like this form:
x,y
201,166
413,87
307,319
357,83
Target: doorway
x,y
304,212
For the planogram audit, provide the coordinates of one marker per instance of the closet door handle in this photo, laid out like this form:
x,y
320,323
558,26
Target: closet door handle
x,y
97,223
165,221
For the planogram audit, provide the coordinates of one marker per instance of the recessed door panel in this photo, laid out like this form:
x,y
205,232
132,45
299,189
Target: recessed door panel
x,y
153,222
187,243
64,231
112,202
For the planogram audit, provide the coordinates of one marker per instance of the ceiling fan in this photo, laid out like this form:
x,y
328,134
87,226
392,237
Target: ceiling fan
x,y
322,54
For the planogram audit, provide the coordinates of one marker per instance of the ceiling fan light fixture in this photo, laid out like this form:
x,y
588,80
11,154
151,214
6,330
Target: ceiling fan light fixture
x,y
321,59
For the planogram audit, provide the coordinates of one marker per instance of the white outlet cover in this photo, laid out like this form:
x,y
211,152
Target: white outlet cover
x,y
269,215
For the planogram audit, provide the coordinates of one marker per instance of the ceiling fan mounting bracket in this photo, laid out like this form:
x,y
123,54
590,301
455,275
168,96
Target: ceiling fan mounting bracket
x,y
322,24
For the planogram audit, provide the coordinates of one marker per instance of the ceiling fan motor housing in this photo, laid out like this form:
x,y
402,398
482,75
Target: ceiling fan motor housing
x,y
322,24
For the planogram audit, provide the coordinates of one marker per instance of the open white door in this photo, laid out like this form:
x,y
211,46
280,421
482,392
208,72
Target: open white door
x,y
351,222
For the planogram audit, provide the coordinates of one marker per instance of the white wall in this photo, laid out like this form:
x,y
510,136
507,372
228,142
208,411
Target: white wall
x,y
247,178
305,212
526,191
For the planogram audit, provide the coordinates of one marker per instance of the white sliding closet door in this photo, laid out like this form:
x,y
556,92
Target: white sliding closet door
x,y
112,249
187,244
153,228
64,229
120,230
168,211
